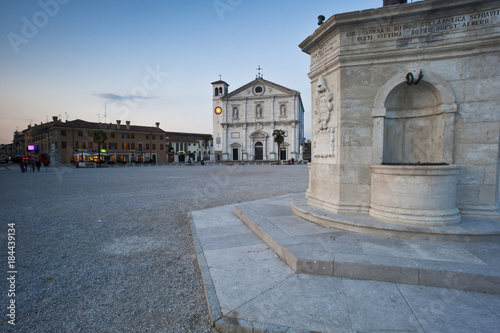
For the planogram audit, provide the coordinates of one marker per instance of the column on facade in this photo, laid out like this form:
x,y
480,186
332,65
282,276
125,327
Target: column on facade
x,y
295,128
245,142
274,102
266,157
249,154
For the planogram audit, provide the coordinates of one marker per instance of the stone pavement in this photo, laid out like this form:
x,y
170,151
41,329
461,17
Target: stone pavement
x,y
249,288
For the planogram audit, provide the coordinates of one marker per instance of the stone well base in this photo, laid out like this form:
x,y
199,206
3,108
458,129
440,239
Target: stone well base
x,y
415,195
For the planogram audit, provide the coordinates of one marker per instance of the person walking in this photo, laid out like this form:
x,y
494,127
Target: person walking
x,y
21,165
38,164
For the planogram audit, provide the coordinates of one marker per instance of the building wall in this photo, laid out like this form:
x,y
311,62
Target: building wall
x,y
122,144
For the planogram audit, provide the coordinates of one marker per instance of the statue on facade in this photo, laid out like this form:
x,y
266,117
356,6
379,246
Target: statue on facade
x,y
283,110
259,111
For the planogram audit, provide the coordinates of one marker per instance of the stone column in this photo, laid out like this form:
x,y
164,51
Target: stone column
x,y
378,136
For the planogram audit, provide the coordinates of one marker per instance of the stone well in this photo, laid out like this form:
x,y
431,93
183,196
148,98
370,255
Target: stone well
x,y
405,121
415,195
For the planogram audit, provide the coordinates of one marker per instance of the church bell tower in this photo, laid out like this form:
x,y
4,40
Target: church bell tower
x,y
219,91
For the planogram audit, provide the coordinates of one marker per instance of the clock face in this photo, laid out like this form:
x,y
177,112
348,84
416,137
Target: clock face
x,y
218,110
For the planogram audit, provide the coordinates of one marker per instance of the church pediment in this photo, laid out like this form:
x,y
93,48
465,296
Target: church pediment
x,y
258,135
260,88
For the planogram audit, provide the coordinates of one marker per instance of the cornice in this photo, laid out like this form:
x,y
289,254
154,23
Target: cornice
x,y
387,15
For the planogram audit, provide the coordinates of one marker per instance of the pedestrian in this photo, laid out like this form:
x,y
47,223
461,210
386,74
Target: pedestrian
x,y
32,163
21,165
38,164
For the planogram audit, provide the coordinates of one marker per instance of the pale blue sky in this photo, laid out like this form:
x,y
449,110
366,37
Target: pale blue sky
x,y
71,57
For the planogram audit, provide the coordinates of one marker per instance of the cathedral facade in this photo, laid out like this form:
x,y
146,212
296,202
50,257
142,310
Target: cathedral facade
x,y
244,121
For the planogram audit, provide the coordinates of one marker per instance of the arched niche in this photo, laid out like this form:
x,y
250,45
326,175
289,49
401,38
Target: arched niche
x,y
414,123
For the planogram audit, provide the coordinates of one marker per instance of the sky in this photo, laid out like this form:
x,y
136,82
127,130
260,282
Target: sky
x,y
148,61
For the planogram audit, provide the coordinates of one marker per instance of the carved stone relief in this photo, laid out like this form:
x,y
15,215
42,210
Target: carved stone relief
x,y
323,103
324,143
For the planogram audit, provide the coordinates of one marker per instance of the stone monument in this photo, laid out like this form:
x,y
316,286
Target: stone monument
x,y
406,112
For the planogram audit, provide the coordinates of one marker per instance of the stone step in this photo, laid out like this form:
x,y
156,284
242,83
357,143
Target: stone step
x,y
313,249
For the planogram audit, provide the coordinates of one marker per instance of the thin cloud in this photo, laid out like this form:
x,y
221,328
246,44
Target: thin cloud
x,y
121,98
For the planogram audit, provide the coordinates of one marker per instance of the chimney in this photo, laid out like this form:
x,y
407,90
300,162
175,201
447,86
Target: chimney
x,y
128,124
54,118
118,122
394,2
157,125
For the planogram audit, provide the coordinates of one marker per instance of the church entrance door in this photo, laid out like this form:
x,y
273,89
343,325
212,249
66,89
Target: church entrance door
x,y
259,151
283,154
235,154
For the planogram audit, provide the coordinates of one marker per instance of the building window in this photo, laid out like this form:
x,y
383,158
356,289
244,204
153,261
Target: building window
x,y
132,136
63,133
147,146
112,135
161,137
125,146
80,133
90,145
89,133
113,145
154,146
161,147
154,137
103,145
147,136
132,146
124,136
63,144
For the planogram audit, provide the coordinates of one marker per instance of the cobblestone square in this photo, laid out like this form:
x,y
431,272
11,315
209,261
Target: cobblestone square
x,y
110,250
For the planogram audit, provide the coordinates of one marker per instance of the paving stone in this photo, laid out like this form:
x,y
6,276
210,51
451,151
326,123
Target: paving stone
x,y
302,301
378,307
448,310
